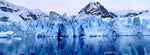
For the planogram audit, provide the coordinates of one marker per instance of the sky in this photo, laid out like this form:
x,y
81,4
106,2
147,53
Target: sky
x,y
72,7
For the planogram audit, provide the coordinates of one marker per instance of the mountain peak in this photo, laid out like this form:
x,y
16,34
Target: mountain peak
x,y
95,8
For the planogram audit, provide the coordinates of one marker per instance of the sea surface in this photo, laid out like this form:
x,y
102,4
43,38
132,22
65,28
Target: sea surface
x,y
86,45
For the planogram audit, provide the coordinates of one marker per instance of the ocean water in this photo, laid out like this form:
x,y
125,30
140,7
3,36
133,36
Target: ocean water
x,y
95,45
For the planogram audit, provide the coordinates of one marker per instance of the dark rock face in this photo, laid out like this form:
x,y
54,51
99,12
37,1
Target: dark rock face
x,y
96,8
134,14
25,19
130,15
143,11
5,9
112,14
4,19
34,17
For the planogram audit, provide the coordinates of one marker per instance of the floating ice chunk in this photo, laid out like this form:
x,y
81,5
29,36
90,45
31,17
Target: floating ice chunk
x,y
3,34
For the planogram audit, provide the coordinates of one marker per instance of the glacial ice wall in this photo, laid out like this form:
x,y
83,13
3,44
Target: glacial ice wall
x,y
80,35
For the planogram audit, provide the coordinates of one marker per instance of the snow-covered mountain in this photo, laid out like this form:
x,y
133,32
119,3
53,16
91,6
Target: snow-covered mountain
x,y
130,13
95,8
10,12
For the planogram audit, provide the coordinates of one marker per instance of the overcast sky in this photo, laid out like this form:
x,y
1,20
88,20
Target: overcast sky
x,y
72,7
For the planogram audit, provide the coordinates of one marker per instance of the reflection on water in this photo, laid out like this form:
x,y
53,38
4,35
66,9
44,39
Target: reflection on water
x,y
124,45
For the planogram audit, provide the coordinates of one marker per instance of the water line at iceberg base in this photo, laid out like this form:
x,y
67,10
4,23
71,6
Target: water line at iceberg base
x,y
34,38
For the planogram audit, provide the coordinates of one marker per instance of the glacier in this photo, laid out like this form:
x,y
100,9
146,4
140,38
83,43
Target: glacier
x,y
90,35
94,31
